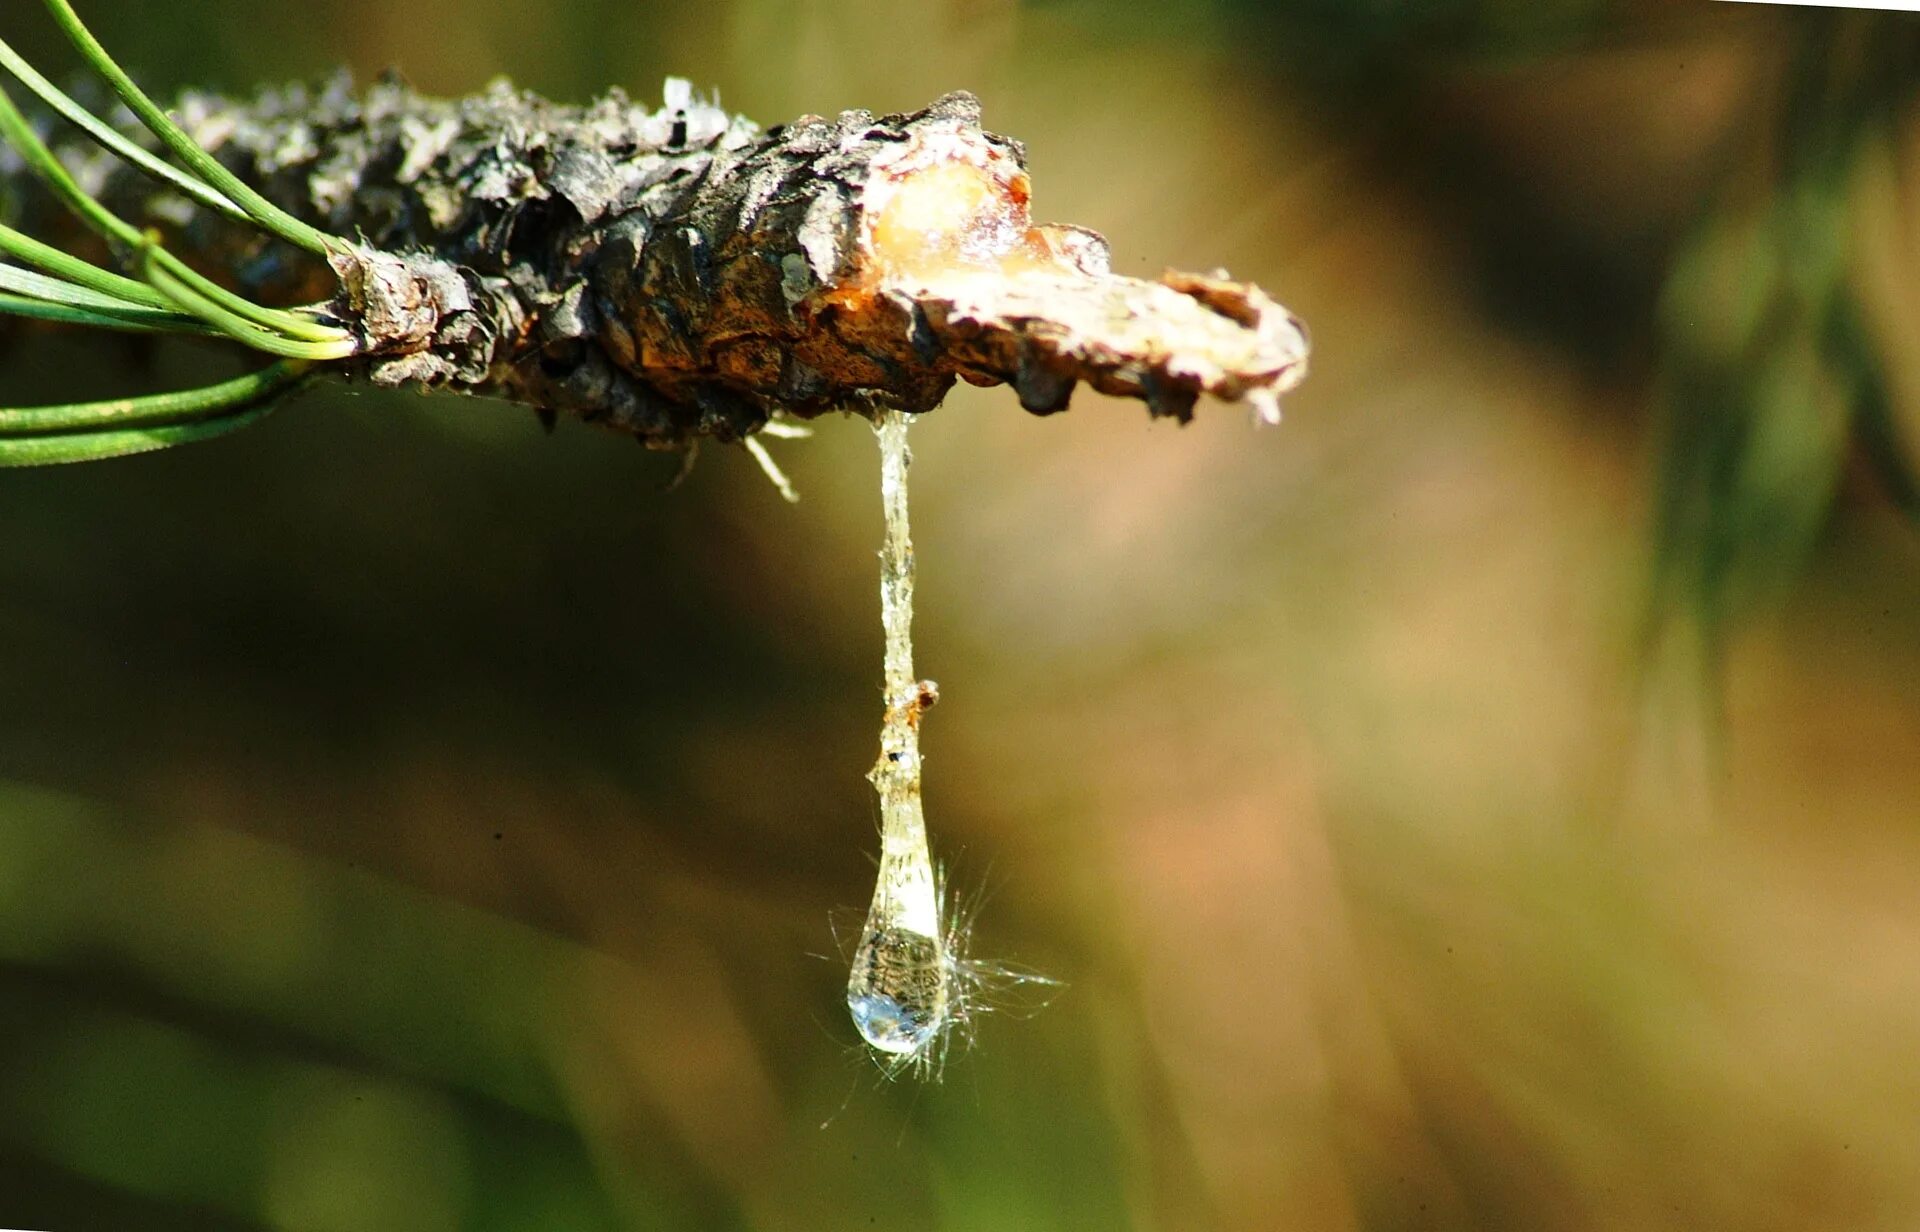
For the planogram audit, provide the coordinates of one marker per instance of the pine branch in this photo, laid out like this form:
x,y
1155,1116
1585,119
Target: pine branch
x,y
674,274
678,273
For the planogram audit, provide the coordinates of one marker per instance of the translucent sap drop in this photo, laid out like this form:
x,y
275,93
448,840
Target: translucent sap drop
x,y
897,992
910,985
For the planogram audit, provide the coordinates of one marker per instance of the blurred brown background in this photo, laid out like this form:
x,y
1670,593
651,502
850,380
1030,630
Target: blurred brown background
x,y
1491,800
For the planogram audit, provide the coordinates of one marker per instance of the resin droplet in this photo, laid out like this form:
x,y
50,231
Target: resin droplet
x,y
900,989
897,993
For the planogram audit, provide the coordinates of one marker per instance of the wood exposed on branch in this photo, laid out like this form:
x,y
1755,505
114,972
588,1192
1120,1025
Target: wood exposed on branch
x,y
680,272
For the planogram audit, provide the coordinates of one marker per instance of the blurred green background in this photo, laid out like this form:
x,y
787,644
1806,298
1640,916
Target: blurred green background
x,y
1491,800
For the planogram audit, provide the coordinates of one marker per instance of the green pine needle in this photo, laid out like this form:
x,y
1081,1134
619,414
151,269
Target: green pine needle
x,y
97,446
210,170
112,140
87,431
72,269
29,294
148,320
273,330
20,135
217,307
192,292
167,295
60,290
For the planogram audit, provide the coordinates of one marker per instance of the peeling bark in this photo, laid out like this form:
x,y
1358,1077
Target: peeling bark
x,y
679,272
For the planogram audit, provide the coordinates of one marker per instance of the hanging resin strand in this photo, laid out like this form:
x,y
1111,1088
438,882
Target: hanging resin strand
x,y
900,992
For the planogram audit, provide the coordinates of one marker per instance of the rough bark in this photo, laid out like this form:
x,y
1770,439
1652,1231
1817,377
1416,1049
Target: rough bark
x,y
679,272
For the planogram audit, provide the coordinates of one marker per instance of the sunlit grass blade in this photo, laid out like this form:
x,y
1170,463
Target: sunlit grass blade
x,y
204,165
85,431
112,140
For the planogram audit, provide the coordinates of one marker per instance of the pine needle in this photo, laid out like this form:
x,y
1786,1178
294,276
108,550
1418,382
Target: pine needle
x,y
85,431
209,169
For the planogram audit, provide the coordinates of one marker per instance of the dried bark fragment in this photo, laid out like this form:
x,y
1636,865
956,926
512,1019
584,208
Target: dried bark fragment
x,y
679,272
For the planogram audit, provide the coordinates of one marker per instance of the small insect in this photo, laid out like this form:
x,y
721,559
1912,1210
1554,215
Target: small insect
x,y
911,983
